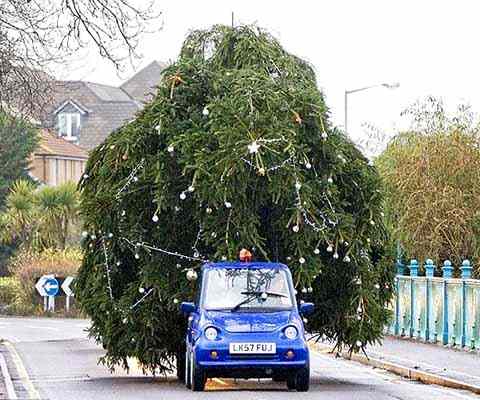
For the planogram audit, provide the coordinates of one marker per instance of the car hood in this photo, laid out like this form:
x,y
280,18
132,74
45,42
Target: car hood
x,y
241,322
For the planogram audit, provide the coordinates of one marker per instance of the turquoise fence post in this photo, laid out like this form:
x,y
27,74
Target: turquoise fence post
x,y
400,271
466,269
447,273
429,270
413,273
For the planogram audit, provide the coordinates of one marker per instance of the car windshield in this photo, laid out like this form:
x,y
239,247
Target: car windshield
x,y
238,289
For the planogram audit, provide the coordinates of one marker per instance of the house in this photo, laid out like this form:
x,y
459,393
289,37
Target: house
x,y
85,113
57,161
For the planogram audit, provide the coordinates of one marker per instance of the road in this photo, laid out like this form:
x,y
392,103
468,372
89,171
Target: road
x,y
54,359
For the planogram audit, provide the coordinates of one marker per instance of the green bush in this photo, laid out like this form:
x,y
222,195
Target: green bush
x,y
9,289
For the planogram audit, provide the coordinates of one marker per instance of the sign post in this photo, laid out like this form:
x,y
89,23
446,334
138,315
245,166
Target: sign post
x,y
48,287
68,290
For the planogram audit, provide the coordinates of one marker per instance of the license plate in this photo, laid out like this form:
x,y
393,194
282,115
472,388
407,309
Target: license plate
x,y
253,348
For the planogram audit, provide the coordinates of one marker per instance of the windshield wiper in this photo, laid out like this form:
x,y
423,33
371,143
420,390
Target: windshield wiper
x,y
253,295
275,294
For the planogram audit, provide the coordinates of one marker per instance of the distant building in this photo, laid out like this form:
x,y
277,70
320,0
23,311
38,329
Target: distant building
x,y
56,161
85,113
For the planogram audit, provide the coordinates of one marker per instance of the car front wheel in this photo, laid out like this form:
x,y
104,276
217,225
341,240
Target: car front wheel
x,y
198,377
302,380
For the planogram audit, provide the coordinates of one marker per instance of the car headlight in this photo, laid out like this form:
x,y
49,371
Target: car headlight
x,y
291,332
211,333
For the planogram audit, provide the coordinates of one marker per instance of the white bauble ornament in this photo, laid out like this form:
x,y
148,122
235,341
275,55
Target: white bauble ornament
x,y
110,235
84,234
196,254
155,218
85,176
324,135
228,204
316,251
310,290
208,210
119,263
205,111
141,290
308,165
183,196
372,222
359,343
253,147
135,179
137,256
335,256
304,290
192,275
214,234
191,188
295,228
377,286
170,149
301,260
175,301
346,259
298,185
330,248
123,213
330,180
359,317
124,320
93,237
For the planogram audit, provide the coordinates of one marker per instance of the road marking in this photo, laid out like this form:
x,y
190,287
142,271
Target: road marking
x,y
22,372
7,379
220,381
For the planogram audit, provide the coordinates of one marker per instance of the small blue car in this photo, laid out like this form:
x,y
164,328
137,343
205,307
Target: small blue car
x,y
245,323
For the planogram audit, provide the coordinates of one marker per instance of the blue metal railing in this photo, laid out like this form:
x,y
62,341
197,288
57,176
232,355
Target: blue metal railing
x,y
437,309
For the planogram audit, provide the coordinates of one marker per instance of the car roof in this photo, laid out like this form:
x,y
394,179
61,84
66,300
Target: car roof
x,y
241,264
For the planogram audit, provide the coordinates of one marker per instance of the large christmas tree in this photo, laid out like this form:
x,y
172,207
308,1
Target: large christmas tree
x,y
235,151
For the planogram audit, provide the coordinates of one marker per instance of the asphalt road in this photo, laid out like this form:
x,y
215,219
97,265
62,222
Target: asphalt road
x,y
53,359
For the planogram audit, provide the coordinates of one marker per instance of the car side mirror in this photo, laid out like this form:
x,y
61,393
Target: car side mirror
x,y
187,308
306,308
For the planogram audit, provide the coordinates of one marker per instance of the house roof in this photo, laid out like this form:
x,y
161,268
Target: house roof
x,y
108,93
142,85
52,145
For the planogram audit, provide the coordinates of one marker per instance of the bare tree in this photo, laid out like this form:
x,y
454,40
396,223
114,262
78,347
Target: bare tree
x,y
36,34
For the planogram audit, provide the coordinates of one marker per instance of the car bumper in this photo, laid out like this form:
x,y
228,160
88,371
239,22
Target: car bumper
x,y
251,366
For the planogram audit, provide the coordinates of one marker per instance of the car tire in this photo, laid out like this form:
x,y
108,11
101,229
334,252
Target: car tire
x,y
181,361
291,382
199,378
188,375
302,380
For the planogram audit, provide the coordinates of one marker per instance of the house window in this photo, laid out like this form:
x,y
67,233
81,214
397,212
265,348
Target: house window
x,y
69,125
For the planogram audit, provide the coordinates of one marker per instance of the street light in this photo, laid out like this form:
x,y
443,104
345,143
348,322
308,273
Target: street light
x,y
347,92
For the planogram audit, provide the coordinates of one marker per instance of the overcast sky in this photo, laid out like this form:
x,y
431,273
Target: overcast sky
x,y
429,47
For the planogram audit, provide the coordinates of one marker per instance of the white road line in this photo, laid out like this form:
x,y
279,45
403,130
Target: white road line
x,y
22,372
7,379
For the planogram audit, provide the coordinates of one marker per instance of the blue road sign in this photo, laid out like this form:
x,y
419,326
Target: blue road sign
x,y
51,287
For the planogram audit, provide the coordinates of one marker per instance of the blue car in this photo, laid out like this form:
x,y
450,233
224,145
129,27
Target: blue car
x,y
245,323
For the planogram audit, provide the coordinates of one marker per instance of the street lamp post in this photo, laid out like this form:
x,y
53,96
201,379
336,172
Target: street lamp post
x,y
347,92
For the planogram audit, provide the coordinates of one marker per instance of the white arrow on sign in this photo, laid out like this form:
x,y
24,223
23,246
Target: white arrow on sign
x,y
40,284
66,285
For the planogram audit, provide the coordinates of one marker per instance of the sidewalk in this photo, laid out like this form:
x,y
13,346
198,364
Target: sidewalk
x,y
428,363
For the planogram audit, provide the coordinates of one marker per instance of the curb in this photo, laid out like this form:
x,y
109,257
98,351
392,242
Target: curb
x,y
7,378
405,372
